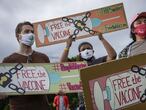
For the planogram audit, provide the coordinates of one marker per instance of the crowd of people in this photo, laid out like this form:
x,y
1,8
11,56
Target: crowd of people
x,y
25,37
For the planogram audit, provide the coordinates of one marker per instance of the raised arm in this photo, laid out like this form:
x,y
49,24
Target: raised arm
x,y
64,57
110,50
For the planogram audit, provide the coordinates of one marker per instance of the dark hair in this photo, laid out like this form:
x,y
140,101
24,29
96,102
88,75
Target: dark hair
x,y
132,35
61,92
19,27
84,43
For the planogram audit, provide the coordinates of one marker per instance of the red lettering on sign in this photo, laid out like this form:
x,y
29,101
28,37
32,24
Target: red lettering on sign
x,y
61,34
33,85
74,86
128,95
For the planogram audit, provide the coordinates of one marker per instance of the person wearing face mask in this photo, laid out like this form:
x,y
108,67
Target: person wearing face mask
x,y
25,54
61,101
138,35
86,52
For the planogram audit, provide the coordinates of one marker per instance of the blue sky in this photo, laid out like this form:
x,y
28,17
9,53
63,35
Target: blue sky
x,y
39,10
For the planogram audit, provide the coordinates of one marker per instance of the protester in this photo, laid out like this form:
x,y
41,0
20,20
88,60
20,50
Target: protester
x,y
25,37
86,53
138,35
61,101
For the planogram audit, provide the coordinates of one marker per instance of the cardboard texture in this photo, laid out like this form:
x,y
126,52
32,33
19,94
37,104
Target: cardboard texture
x,y
81,25
119,84
40,78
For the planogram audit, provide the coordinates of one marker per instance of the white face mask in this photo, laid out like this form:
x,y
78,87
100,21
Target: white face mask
x,y
87,54
27,39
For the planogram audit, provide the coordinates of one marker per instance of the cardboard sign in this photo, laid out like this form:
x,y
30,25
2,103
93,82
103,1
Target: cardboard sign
x,y
116,85
107,19
37,78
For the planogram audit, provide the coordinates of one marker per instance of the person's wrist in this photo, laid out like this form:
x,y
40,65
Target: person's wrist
x,y
66,49
68,45
101,38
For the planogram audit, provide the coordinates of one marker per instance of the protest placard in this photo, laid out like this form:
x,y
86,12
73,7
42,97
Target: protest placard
x,y
120,84
39,78
81,25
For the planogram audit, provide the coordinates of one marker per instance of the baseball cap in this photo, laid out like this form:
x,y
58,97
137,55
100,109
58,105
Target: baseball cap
x,y
138,15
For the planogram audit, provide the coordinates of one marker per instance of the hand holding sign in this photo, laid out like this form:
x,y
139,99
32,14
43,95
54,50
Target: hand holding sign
x,y
80,25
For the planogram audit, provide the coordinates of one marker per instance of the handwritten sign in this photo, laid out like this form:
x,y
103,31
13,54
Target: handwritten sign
x,y
107,19
21,79
115,88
